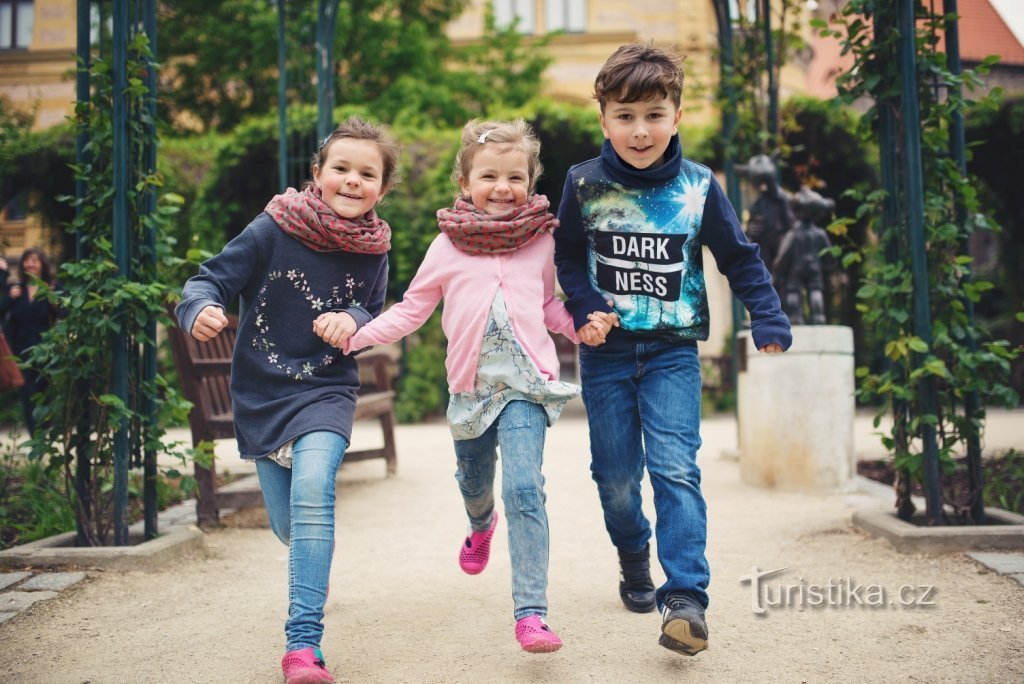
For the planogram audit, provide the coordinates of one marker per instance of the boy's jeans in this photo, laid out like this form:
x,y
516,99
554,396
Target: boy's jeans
x,y
519,431
300,504
643,405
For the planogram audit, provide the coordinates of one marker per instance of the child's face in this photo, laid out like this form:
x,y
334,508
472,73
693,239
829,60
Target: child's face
x,y
351,179
499,179
640,131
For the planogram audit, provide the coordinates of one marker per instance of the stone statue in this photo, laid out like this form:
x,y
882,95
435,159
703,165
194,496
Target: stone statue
x,y
798,266
770,215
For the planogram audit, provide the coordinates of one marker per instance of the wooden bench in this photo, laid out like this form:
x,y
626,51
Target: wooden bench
x,y
204,371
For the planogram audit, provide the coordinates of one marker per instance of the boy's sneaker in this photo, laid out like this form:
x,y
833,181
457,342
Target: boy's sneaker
x,y
635,586
305,666
535,636
476,550
683,628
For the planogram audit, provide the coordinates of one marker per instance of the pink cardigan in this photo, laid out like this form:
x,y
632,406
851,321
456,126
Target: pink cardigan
x,y
468,284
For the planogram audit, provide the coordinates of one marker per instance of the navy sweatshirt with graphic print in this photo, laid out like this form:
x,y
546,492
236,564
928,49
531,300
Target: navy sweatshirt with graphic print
x,y
634,237
286,381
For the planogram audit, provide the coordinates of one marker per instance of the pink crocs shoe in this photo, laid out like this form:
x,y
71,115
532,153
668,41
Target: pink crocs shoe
x,y
305,666
535,636
476,550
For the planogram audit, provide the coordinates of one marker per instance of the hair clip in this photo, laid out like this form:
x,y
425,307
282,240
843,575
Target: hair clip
x,y
323,142
483,136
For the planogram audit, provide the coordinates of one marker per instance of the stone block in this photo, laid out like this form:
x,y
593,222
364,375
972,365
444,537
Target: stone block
x,y
52,581
796,412
9,578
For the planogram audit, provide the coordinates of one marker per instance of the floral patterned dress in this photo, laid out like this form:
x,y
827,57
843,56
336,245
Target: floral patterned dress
x,y
505,374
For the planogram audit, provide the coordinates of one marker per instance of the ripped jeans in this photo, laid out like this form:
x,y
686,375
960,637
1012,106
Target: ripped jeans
x,y
519,431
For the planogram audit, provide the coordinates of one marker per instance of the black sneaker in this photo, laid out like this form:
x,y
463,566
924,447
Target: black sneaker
x,y
635,585
683,628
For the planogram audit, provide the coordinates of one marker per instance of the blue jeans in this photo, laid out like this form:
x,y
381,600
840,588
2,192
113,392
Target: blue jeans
x,y
643,406
519,431
300,504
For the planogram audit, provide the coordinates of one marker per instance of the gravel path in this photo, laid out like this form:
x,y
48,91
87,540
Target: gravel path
x,y
401,611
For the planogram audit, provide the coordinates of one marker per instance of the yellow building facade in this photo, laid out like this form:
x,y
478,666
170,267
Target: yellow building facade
x,y
37,61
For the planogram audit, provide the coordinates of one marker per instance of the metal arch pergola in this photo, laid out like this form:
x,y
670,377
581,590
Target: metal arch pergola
x,y
904,199
128,18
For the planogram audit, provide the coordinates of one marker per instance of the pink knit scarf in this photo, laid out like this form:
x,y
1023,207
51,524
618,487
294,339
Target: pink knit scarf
x,y
305,216
474,231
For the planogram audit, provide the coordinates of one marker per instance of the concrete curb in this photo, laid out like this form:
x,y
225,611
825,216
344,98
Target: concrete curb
x,y
57,551
178,536
909,538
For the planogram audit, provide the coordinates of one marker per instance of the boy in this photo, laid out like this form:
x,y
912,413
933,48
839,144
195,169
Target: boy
x,y
632,225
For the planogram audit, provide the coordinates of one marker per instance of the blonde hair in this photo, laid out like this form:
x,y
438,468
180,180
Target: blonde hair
x,y
359,129
516,133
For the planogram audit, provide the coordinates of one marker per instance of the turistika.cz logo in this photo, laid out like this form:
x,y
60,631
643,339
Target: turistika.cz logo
x,y
843,592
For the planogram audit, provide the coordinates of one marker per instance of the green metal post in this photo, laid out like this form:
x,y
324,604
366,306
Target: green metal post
x,y
328,14
972,402
773,88
732,183
83,464
282,101
149,350
120,243
915,224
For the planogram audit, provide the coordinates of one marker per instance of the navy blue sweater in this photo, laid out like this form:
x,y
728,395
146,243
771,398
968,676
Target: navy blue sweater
x,y
634,237
286,381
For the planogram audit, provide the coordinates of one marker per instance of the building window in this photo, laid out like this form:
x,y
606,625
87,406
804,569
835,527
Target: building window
x,y
566,15
17,208
15,24
507,11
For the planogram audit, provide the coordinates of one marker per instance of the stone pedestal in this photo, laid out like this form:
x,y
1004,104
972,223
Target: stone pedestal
x,y
796,412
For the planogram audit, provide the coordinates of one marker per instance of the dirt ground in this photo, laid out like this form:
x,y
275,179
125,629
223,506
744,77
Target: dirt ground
x,y
401,611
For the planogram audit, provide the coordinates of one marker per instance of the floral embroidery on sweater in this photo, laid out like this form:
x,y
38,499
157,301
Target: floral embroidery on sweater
x,y
262,341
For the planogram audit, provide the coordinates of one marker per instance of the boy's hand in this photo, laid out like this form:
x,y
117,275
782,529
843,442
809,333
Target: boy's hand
x,y
604,322
593,333
210,321
773,348
334,327
591,336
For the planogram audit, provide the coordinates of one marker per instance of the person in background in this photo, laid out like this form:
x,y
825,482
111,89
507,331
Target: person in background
x,y
26,317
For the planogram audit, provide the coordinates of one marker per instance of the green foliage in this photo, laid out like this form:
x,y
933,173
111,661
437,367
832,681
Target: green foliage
x,y
748,80
35,164
961,358
391,55
105,311
1004,481
33,504
990,133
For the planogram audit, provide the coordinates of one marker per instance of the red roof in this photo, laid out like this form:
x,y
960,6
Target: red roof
x,y
983,32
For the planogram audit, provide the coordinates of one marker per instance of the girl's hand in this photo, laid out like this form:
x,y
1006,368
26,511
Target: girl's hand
x,y
334,327
210,321
773,348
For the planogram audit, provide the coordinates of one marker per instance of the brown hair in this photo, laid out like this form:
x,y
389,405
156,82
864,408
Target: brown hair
x,y
45,270
516,133
359,129
639,72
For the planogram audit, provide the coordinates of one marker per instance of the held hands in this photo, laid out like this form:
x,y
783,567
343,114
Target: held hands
x,y
334,327
773,348
15,291
594,332
210,321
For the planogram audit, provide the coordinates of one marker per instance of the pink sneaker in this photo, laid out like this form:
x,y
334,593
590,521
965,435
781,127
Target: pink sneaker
x,y
535,636
476,550
305,666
